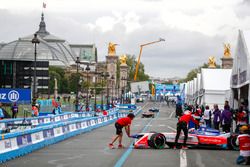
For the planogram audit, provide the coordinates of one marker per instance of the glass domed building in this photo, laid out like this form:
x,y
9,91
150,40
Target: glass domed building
x,y
17,59
51,48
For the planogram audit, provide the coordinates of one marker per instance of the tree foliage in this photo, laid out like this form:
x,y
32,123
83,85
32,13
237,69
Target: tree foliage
x,y
141,76
193,73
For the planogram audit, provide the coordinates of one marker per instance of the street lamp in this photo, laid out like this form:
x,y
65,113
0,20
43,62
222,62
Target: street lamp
x,y
77,86
112,84
35,41
122,87
102,76
106,76
96,75
87,100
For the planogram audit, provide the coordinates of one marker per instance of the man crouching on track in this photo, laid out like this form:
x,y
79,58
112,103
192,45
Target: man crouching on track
x,y
183,125
119,124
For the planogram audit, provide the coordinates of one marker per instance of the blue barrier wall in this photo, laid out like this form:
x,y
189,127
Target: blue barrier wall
x,y
23,142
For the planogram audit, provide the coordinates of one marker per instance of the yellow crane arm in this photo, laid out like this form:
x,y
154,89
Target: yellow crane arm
x,y
139,57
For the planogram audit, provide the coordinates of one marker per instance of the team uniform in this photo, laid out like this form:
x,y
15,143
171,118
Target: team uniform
x,y
244,142
183,125
120,123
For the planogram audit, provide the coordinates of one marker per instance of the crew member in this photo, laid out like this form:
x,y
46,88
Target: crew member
x,y
120,123
183,125
244,142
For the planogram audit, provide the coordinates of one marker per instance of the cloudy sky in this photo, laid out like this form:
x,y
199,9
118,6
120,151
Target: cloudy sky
x,y
193,29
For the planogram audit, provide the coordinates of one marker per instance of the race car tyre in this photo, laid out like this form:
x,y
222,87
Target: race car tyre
x,y
153,116
232,142
157,141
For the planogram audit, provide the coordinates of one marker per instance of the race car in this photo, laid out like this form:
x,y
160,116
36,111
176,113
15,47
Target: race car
x,y
203,137
148,114
140,100
154,109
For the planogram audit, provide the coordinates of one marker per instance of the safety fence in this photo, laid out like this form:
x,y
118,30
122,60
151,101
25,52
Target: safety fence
x,y
23,142
50,118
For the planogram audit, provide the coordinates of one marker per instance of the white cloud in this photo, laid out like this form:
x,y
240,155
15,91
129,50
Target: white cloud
x,y
193,29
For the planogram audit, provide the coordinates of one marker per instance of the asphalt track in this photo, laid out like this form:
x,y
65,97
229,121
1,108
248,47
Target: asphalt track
x,y
90,149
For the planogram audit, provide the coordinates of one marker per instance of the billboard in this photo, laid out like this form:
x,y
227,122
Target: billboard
x,y
167,89
15,95
85,52
137,87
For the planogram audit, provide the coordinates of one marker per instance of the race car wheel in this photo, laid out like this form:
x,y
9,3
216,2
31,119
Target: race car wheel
x,y
232,143
157,141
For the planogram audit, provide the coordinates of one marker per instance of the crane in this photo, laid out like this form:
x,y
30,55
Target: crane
x,y
139,57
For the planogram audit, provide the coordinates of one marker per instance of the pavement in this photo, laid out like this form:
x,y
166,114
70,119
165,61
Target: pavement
x,y
91,149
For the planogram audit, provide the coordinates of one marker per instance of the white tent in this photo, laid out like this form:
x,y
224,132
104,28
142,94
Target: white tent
x,y
215,84
241,69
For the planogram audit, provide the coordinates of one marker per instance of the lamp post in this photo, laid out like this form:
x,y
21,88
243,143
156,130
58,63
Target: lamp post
x,y
106,76
122,87
96,75
102,76
112,84
35,41
87,100
77,83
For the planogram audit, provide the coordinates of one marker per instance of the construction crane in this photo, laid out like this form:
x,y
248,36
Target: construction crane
x,y
139,57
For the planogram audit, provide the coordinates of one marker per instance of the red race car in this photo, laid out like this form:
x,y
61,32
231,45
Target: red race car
x,y
203,137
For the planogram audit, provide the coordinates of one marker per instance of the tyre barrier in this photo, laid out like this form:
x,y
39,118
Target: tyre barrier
x,y
17,144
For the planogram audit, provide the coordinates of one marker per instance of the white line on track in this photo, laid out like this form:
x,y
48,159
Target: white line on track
x,y
172,128
170,116
183,158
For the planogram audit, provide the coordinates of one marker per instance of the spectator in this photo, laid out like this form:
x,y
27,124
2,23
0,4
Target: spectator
x,y
241,118
35,111
244,142
1,112
217,117
207,116
14,110
226,119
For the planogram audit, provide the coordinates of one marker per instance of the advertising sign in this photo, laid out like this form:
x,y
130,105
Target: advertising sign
x,y
15,95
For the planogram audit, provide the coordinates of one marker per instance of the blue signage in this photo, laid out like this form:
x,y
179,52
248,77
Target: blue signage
x,y
15,95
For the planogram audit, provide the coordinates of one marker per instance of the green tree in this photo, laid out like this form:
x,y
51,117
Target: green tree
x,y
193,73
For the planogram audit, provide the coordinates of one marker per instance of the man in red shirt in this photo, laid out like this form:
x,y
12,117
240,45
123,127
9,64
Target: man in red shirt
x,y
244,142
119,124
182,125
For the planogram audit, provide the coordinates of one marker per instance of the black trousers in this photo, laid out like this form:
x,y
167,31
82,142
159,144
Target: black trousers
x,y
181,126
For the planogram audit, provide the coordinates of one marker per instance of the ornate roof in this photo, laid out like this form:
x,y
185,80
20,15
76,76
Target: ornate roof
x,y
57,51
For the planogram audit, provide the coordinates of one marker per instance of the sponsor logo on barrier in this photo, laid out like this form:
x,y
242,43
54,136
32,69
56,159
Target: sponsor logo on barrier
x,y
7,144
57,118
65,129
72,127
58,131
99,120
65,117
84,124
105,119
92,122
46,120
78,125
48,133
36,137
40,120
34,122
23,140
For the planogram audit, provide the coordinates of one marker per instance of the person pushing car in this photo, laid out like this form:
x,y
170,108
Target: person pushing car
x,y
183,125
119,124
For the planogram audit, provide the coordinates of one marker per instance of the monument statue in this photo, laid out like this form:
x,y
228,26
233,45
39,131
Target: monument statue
x,y
123,59
111,49
227,51
211,62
